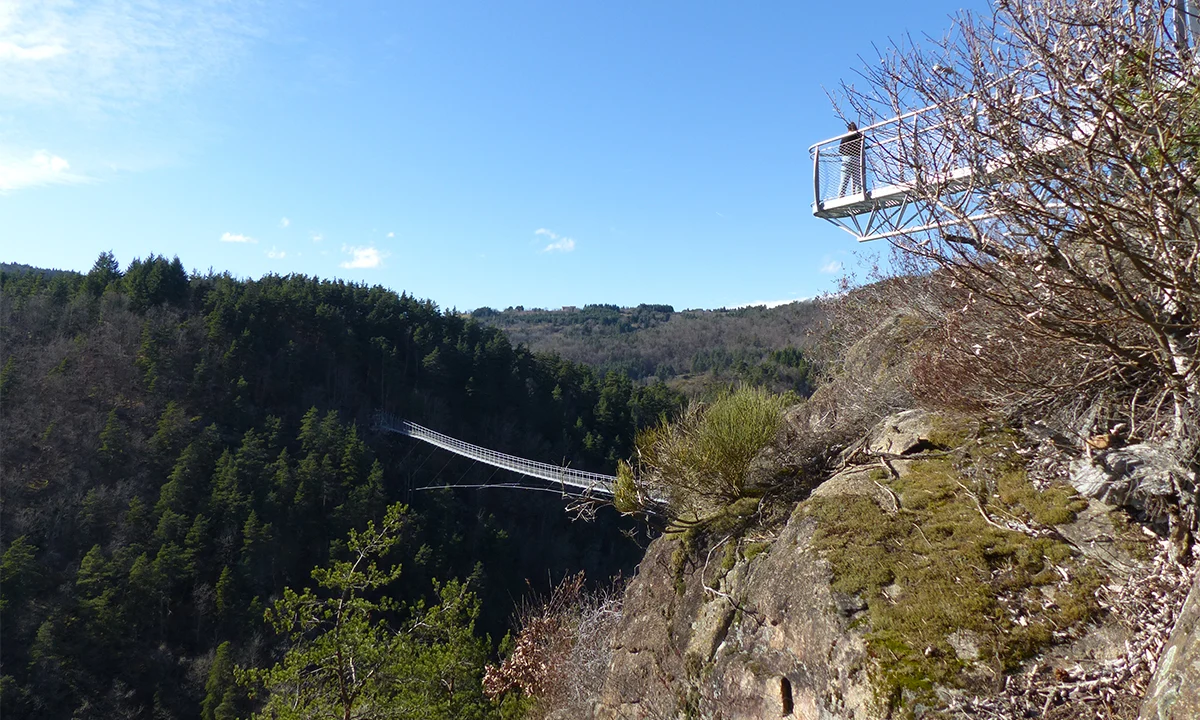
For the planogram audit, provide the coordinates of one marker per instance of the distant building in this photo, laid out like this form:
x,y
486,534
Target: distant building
x,y
569,308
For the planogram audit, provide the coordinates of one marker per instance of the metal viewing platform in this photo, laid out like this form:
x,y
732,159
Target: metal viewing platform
x,y
927,169
860,185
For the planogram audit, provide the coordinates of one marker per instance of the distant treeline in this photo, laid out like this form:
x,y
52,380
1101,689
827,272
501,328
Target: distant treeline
x,y
692,350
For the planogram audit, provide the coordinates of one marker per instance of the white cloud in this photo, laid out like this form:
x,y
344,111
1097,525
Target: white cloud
x,y
284,222
558,243
363,257
105,54
317,237
237,238
276,254
391,235
39,168
831,267
563,245
13,51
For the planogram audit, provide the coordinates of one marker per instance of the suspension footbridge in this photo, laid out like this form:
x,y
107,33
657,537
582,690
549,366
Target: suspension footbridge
x,y
572,482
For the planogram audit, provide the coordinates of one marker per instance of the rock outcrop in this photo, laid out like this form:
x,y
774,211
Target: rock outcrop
x,y
1143,478
1174,694
730,619
760,637
1148,481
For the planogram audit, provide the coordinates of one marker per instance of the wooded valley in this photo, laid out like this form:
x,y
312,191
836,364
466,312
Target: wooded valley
x,y
179,449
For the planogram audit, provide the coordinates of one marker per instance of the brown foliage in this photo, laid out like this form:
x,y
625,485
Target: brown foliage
x,y
562,648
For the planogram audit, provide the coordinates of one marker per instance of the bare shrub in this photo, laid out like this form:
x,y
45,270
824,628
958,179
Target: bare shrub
x,y
562,650
1076,254
867,347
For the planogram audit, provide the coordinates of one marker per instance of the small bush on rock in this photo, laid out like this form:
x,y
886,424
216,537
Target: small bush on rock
x,y
700,462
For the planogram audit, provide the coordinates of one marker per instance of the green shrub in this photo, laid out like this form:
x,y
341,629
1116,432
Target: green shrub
x,y
625,492
700,462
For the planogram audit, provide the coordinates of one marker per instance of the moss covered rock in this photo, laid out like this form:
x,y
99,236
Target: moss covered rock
x,y
927,570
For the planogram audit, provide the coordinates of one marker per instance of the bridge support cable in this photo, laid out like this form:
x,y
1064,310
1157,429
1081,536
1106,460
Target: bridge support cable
x,y
578,482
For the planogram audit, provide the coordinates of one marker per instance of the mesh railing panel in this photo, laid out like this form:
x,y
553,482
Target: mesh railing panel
x,y
891,153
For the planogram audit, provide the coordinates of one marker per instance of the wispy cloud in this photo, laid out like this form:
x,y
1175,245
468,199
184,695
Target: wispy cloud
x,y
109,53
37,168
13,51
831,267
317,237
276,254
88,63
363,257
284,222
391,235
236,238
558,243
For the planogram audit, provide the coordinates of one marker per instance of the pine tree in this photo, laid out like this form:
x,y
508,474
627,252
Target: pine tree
x,y
346,661
113,442
225,590
218,690
18,571
104,272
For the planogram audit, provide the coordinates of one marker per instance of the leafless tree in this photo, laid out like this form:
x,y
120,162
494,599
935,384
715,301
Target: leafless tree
x,y
1059,159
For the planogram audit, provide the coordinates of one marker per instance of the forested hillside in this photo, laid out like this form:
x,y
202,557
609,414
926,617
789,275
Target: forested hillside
x,y
177,450
691,350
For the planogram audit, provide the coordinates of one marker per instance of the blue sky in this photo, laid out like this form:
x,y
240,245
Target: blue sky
x,y
517,153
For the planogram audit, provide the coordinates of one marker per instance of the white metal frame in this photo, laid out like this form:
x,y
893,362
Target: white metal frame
x,y
896,206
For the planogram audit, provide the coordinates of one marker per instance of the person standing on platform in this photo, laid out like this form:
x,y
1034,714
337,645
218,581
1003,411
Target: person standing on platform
x,y
851,150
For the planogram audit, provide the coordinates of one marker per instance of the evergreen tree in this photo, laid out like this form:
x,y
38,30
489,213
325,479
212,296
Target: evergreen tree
x,y
113,442
18,572
219,689
104,272
345,659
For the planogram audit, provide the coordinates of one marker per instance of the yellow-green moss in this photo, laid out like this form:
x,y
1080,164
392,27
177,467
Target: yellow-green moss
x,y
951,431
937,566
754,549
1056,505
730,556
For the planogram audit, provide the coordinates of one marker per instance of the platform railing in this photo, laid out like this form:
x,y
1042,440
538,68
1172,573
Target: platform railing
x,y
882,164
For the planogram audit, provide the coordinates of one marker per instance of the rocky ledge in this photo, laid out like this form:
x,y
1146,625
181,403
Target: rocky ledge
x,y
927,577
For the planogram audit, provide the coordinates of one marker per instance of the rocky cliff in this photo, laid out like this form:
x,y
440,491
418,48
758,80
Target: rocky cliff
x,y
937,572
